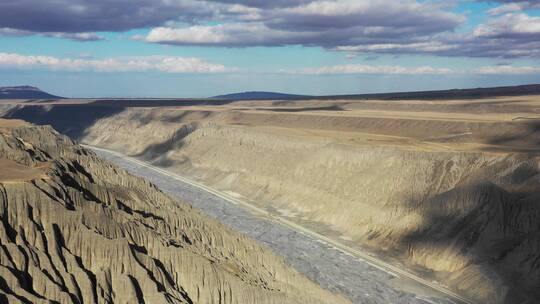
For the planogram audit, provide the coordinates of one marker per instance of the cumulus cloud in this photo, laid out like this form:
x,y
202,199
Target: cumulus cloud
x,y
510,26
137,64
513,6
512,35
320,23
76,19
374,27
415,17
352,26
75,16
230,34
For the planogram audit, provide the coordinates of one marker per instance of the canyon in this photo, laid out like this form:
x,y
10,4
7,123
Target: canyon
x,y
78,229
447,189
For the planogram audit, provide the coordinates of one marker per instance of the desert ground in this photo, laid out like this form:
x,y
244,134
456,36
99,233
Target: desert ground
x,y
447,189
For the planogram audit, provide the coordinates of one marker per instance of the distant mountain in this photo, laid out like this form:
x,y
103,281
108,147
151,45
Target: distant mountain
x,y
25,92
257,95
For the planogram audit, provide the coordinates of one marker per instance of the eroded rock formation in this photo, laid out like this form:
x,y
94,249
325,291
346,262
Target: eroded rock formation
x,y
76,229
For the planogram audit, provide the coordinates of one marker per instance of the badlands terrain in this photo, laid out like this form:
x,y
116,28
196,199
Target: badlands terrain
x,y
77,229
447,189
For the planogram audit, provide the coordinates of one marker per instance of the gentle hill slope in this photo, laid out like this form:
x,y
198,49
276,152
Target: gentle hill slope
x,y
260,96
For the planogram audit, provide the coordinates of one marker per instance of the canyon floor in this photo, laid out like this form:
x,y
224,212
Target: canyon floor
x,y
361,278
447,189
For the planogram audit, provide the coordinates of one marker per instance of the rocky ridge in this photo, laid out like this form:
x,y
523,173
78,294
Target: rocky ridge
x,y
88,232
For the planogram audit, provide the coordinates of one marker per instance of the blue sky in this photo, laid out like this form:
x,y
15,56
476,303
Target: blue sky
x,y
193,48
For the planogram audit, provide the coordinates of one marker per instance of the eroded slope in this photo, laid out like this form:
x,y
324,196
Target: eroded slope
x,y
88,232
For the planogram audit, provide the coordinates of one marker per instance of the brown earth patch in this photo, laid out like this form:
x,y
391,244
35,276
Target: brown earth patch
x,y
7,124
13,172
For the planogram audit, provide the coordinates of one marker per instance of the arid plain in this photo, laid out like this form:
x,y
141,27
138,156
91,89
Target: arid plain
x,y
447,189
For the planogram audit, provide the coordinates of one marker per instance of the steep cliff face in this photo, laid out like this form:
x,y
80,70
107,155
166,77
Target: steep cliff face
x,y
76,229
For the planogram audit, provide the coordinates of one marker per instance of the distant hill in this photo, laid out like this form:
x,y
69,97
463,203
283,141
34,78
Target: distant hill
x,y
29,92
25,92
260,95
531,89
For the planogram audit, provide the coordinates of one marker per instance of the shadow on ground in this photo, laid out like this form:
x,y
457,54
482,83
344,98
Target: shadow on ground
x,y
157,153
488,225
525,140
72,120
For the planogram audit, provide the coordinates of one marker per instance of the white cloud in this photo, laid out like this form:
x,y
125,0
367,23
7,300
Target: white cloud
x,y
74,36
506,8
513,6
511,35
382,26
190,35
229,34
7,31
332,8
138,64
509,25
84,36
243,13
430,46
508,70
348,69
317,23
371,69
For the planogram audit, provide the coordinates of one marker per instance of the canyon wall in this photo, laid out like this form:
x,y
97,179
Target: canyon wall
x,y
77,229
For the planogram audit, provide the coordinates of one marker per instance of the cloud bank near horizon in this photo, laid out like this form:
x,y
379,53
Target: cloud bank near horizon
x,y
139,64
191,65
